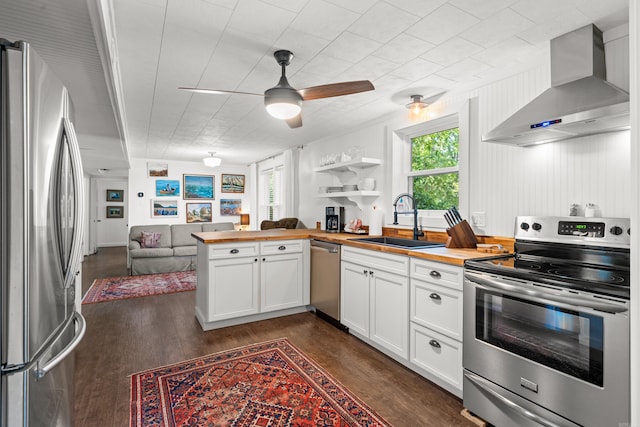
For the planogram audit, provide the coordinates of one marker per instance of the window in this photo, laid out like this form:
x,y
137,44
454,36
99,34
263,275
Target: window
x,y
434,173
271,206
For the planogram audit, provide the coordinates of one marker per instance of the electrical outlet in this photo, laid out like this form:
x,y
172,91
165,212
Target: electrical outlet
x,y
478,219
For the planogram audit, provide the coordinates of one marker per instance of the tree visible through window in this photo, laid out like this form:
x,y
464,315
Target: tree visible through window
x,y
434,169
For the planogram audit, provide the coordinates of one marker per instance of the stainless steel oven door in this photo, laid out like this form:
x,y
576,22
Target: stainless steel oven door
x,y
565,351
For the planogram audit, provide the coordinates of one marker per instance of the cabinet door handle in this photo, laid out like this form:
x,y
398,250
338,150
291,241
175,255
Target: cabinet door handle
x,y
435,274
370,272
434,344
282,247
365,272
234,251
264,259
255,260
435,297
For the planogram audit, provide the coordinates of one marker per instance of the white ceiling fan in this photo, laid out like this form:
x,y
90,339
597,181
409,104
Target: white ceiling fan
x,y
285,102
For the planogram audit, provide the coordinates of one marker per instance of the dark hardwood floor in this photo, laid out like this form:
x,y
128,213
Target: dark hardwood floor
x,y
127,336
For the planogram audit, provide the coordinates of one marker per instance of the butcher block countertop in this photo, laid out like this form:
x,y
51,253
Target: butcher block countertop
x,y
441,254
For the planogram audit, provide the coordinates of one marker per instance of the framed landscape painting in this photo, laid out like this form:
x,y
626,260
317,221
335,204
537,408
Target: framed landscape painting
x,y
232,183
115,212
115,195
158,169
230,207
198,187
164,208
167,187
198,212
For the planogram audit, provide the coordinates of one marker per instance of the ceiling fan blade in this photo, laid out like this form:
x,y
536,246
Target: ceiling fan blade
x,y
295,122
217,91
335,89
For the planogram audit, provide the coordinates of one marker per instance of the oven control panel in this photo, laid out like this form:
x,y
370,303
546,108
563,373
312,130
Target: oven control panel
x,y
581,230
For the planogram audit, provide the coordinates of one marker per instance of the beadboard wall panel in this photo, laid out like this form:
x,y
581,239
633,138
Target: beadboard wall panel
x,y
505,181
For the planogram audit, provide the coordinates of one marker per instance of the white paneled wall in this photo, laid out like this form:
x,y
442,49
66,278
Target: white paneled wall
x,y
506,181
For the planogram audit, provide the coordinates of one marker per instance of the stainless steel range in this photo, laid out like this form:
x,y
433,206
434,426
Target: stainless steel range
x,y
546,331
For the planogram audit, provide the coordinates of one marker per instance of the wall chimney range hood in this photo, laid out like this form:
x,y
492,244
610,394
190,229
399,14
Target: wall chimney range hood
x,y
580,101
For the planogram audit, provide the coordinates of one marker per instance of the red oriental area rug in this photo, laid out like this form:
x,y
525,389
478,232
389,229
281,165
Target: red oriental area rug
x,y
115,288
271,384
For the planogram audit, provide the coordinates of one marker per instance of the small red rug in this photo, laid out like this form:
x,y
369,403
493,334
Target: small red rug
x,y
115,288
271,384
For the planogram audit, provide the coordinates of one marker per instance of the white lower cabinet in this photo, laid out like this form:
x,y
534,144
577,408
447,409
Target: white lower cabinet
x,y
436,322
236,288
375,298
241,280
281,279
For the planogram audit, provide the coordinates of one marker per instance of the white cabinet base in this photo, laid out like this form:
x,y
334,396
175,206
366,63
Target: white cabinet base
x,y
437,357
208,326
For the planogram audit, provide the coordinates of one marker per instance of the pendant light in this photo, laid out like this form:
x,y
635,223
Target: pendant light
x,y
211,161
417,104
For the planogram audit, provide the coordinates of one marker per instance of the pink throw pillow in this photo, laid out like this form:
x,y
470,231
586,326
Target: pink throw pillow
x,y
150,239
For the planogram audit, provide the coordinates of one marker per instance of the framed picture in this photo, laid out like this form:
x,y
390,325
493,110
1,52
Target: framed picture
x,y
198,186
115,195
163,208
232,183
198,212
158,169
230,207
115,211
167,187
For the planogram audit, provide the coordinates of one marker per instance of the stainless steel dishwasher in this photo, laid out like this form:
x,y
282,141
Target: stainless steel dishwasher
x,y
325,281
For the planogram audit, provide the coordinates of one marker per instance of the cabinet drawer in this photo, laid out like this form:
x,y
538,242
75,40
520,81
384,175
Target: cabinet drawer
x,y
437,307
273,247
437,272
437,354
232,250
391,263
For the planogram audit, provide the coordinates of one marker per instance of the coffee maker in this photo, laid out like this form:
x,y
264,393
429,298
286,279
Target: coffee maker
x,y
334,219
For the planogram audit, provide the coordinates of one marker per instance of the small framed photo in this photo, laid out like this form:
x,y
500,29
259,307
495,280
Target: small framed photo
x,y
232,183
167,187
198,187
115,195
115,211
161,208
158,169
198,212
230,207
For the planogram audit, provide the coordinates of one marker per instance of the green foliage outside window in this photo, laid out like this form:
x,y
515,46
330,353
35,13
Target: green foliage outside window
x,y
435,191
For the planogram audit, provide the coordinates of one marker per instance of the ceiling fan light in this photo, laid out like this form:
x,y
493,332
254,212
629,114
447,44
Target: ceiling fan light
x,y
283,110
211,161
283,103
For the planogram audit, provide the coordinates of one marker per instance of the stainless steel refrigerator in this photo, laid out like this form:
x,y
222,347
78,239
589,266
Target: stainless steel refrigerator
x,y
40,242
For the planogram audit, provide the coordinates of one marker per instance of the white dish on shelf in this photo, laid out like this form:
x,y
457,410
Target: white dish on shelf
x,y
367,184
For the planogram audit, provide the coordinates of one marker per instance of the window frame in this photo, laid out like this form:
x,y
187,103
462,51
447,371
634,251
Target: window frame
x,y
433,126
265,207
402,176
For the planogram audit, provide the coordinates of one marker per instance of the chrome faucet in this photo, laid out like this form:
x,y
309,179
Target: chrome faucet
x,y
416,233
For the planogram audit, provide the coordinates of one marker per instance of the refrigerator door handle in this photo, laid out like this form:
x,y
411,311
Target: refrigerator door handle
x,y
77,318
76,164
81,327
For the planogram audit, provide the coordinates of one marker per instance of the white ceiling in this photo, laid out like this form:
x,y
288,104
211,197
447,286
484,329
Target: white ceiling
x,y
155,46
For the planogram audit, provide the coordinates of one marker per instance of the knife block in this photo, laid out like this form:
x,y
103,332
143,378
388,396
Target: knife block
x,y
461,236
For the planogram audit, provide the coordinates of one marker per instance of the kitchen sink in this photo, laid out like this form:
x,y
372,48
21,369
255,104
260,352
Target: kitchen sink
x,y
398,242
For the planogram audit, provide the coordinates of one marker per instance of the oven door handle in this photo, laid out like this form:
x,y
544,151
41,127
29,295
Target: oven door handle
x,y
574,300
488,387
